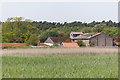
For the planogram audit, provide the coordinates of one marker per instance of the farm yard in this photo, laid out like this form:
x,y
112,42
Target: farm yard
x,y
89,62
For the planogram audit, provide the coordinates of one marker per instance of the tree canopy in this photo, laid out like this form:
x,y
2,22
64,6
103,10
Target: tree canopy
x,y
19,29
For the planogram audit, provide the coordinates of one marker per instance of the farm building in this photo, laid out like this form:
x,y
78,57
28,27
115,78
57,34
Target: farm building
x,y
92,39
56,40
70,44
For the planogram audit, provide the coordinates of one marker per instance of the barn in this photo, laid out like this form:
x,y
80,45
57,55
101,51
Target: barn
x,y
92,39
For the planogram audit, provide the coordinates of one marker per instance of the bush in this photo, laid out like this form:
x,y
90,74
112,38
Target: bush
x,y
68,40
4,47
81,43
55,44
33,40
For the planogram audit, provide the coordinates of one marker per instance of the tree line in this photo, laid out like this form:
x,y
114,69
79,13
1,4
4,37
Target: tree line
x,y
21,30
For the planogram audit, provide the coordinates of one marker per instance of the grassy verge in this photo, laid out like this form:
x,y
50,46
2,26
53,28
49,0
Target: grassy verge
x,y
7,47
60,67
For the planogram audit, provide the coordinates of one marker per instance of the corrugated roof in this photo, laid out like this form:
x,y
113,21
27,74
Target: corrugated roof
x,y
76,32
70,44
59,39
86,36
12,44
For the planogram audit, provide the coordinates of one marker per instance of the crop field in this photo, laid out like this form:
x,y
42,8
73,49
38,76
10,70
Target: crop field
x,y
60,64
60,67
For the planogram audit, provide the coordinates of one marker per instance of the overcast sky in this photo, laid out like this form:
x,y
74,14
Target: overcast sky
x,y
61,11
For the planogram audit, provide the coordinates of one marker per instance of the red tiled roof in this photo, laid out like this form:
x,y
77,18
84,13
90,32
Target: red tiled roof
x,y
59,39
12,44
71,44
42,44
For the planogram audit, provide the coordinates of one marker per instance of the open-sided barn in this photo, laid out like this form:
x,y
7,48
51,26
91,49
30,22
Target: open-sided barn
x,y
92,39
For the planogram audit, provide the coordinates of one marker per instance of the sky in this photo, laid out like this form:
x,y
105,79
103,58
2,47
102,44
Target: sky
x,y
59,0
61,11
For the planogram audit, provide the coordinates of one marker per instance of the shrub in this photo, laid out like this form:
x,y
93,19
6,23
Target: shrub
x,y
81,43
33,40
68,40
6,47
55,44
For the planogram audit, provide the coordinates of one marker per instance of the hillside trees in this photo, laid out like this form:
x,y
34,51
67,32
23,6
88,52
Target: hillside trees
x,y
111,31
99,27
17,30
47,34
87,30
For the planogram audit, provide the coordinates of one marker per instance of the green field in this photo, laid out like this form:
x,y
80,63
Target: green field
x,y
60,67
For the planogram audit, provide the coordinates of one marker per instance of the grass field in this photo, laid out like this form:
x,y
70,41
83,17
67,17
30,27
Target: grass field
x,y
60,67
87,51
60,63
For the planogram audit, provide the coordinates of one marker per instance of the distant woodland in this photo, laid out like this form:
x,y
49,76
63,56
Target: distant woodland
x,y
20,30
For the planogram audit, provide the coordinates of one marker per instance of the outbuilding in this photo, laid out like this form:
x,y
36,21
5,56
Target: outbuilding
x,y
92,39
